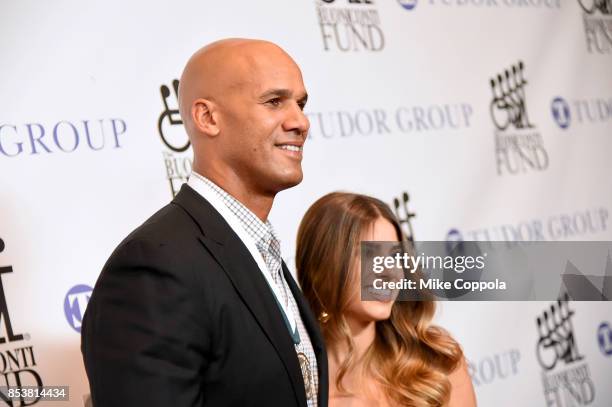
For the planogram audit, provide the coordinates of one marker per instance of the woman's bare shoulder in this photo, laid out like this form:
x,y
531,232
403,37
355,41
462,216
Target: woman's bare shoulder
x,y
462,389
350,401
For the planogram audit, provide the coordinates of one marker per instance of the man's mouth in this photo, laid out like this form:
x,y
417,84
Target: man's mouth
x,y
290,147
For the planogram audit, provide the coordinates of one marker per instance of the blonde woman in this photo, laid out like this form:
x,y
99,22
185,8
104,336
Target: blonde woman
x,y
380,353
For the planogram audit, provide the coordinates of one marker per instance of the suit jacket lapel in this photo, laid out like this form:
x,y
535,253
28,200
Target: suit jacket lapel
x,y
316,338
236,260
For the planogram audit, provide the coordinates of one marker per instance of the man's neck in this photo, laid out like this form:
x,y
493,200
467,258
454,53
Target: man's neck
x,y
258,203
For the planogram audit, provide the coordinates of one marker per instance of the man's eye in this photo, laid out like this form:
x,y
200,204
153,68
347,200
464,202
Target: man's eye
x,y
302,105
274,102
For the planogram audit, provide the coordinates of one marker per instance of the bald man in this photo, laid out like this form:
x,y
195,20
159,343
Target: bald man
x,y
196,306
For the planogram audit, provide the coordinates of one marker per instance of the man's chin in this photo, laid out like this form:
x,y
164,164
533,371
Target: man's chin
x,y
290,180
293,182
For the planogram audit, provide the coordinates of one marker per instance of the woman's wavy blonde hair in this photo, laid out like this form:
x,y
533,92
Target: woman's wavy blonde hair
x,y
410,357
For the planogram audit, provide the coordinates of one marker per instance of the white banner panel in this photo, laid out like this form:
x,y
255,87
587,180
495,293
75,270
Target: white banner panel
x,y
474,119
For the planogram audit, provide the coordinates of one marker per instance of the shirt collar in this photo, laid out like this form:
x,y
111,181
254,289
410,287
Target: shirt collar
x,y
261,232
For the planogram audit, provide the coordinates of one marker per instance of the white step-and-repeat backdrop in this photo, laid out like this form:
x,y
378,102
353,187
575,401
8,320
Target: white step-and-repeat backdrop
x,y
473,119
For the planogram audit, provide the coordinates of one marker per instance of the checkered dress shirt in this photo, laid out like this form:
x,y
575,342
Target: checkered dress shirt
x,y
269,246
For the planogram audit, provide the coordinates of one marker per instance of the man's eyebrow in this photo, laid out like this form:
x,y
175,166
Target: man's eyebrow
x,y
283,93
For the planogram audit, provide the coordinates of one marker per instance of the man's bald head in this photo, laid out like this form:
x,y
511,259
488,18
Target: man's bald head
x,y
242,104
220,68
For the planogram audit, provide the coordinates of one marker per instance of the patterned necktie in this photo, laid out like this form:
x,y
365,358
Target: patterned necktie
x,y
270,250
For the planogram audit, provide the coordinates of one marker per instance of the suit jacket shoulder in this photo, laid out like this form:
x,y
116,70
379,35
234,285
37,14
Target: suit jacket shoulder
x,y
181,315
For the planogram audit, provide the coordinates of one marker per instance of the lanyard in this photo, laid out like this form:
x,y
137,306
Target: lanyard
x,y
295,334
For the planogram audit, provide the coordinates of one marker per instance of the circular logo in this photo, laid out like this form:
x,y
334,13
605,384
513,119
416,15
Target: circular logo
x,y
604,337
75,303
561,112
454,240
408,4
454,235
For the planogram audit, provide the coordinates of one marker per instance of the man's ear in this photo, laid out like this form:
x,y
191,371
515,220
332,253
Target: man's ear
x,y
204,117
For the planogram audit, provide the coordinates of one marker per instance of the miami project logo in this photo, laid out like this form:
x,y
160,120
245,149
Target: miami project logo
x,y
566,377
597,18
177,158
518,145
404,220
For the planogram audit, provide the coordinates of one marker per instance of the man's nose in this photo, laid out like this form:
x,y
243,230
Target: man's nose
x,y
296,121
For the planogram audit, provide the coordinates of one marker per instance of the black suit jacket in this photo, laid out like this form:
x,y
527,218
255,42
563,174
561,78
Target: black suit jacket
x,y
182,316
